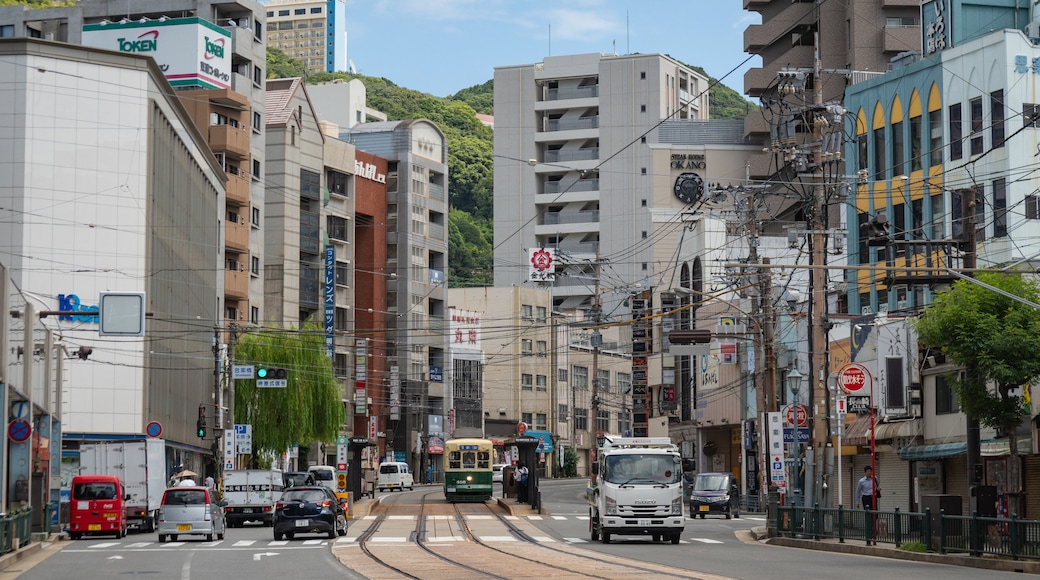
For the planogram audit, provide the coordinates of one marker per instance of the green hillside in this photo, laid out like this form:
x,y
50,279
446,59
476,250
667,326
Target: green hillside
x,y
470,154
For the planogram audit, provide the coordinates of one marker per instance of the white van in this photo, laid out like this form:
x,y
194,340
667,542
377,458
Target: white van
x,y
324,475
393,474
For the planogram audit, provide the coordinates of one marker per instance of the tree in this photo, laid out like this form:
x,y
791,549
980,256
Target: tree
x,y
997,341
309,410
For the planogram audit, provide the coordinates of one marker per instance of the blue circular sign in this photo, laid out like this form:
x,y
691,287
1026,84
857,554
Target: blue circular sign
x,y
154,429
19,430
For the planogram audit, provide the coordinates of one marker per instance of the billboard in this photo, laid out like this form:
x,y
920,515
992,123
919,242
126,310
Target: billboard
x,y
190,51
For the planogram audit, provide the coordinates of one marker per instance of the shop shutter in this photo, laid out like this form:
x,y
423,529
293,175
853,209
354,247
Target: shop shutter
x,y
955,470
894,478
1031,484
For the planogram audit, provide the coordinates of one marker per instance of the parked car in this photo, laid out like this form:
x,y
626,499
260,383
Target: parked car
x,y
715,493
395,474
496,472
312,509
190,511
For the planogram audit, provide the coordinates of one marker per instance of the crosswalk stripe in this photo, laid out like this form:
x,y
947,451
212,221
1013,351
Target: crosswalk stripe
x,y
104,545
478,517
278,543
313,542
409,518
543,539
173,544
435,539
583,518
346,539
536,518
575,540
497,539
559,517
242,543
706,540
139,544
440,518
382,539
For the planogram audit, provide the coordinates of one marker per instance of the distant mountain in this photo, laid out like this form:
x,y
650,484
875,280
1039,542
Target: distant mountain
x,y
470,153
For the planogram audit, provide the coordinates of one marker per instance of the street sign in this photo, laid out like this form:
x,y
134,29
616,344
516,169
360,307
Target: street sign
x,y
229,449
854,379
244,439
842,405
521,428
154,429
341,452
802,434
797,415
19,430
271,383
859,405
241,371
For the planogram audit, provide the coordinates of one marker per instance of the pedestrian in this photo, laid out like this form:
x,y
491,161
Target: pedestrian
x,y
521,483
429,474
210,484
867,492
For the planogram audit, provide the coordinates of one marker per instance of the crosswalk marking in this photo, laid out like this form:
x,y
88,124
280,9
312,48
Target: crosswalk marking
x,y
559,517
242,543
173,544
543,539
478,517
497,539
105,545
435,539
278,543
138,544
346,539
575,540
313,542
408,518
381,539
441,518
706,540
535,518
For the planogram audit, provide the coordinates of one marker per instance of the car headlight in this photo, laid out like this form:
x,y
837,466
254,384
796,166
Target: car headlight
x,y
677,506
611,506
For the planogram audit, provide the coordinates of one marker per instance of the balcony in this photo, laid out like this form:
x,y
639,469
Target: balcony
x,y
755,4
557,155
232,140
237,236
568,124
236,284
572,93
557,218
579,185
238,189
437,191
902,38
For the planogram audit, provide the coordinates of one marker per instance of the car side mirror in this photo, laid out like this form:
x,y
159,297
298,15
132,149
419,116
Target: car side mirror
x,y
127,498
222,503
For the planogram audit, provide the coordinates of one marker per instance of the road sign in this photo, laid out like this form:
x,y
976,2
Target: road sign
x,y
790,434
19,430
244,439
521,428
271,383
854,379
229,449
242,371
154,429
843,406
797,415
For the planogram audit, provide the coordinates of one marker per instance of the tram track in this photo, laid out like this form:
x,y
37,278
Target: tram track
x,y
460,541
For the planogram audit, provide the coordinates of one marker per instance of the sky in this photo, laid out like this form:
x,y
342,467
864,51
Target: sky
x,y
443,46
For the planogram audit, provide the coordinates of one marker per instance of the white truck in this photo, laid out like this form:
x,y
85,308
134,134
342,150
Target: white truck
x,y
636,489
250,495
141,465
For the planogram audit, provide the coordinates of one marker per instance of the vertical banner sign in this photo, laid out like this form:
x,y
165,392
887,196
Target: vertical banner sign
x,y
229,448
341,453
775,424
451,422
373,428
360,376
395,394
330,300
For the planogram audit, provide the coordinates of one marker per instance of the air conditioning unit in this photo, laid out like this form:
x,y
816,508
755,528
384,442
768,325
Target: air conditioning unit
x,y
882,307
241,315
902,304
866,310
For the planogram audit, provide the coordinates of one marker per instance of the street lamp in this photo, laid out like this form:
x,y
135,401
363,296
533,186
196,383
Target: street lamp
x,y
794,386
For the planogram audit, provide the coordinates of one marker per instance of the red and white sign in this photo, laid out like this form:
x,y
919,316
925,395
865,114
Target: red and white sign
x,y
543,265
373,428
521,428
854,379
797,415
843,406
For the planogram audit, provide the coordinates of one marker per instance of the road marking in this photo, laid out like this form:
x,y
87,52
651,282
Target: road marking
x,y
382,539
258,555
512,518
278,543
104,545
346,539
373,518
139,544
755,519
545,539
475,517
313,542
706,540
173,544
537,518
497,539
115,557
583,518
559,517
436,539
440,518
242,543
575,540
213,544
409,518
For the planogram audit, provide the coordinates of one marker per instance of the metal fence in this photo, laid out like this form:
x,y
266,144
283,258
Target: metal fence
x,y
15,524
973,535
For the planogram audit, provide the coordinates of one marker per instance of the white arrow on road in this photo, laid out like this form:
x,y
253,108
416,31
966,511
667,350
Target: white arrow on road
x,y
257,556
115,557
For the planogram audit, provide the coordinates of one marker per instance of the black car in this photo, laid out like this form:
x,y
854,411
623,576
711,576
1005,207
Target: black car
x,y
715,493
312,509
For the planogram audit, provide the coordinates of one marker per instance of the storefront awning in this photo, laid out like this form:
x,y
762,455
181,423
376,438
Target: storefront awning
x,y
936,451
858,432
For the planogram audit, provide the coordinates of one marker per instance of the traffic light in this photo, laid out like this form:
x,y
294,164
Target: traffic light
x,y
341,481
271,373
201,423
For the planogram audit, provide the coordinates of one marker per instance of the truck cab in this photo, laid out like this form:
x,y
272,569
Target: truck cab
x,y
636,489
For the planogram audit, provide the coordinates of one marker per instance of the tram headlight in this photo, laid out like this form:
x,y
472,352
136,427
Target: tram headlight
x,y
469,479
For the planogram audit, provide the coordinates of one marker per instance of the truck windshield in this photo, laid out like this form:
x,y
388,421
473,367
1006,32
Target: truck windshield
x,y
711,483
636,468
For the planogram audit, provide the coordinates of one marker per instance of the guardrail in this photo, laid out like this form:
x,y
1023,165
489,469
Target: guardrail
x,y
973,535
15,524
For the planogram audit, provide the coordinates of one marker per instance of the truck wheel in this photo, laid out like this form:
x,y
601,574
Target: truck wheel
x,y
675,538
604,536
75,535
173,537
657,538
162,539
593,527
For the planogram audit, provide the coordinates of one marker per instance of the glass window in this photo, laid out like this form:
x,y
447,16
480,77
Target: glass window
x,y
581,377
1031,115
999,208
935,134
956,132
915,144
945,401
996,107
880,158
542,382
527,382
526,346
897,148
581,419
976,125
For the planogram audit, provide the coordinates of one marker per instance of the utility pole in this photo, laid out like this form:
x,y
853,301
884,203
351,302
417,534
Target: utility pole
x,y
596,339
972,443
818,332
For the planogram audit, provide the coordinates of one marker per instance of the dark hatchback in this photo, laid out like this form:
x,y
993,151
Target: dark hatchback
x,y
309,510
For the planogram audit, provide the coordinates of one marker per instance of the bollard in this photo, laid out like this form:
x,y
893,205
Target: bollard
x,y
841,524
928,528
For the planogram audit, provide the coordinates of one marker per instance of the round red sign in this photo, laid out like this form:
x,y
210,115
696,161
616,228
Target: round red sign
x,y
797,415
854,379
521,428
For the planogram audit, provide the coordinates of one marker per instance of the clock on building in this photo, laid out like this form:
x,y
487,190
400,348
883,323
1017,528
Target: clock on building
x,y
689,187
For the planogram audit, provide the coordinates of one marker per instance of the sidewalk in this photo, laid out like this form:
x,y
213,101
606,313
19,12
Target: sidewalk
x,y
891,551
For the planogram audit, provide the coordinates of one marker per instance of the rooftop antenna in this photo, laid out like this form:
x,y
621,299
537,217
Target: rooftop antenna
x,y
550,39
628,36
